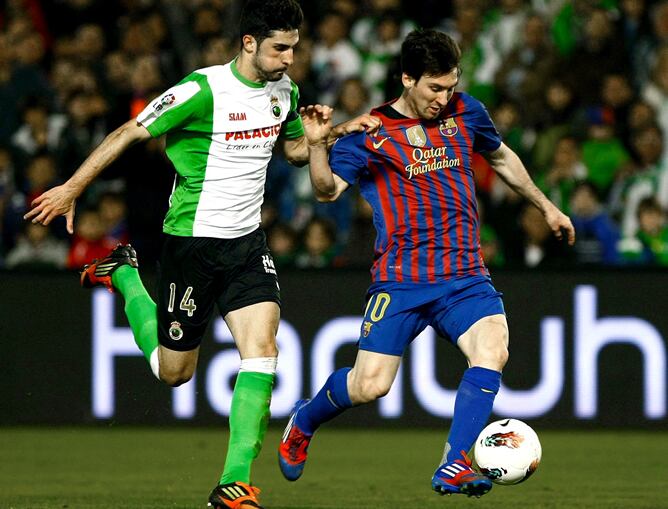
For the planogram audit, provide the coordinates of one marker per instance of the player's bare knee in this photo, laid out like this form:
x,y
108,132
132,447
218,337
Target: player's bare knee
x,y
174,378
368,390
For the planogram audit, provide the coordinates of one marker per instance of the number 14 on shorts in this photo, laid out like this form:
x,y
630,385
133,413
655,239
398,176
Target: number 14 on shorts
x,y
187,304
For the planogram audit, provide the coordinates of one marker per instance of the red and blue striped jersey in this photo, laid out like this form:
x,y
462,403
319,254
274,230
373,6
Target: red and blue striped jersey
x,y
417,176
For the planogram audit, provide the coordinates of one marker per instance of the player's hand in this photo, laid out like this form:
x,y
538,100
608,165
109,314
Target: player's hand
x,y
58,201
317,121
560,224
369,123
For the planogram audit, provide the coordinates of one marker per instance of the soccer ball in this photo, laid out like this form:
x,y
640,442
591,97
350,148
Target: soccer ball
x,y
507,451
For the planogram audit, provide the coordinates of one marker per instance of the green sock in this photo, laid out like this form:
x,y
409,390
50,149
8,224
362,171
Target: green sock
x,y
139,308
249,416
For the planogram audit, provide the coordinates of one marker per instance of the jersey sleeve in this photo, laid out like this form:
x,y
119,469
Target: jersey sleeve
x,y
487,138
293,127
179,106
348,157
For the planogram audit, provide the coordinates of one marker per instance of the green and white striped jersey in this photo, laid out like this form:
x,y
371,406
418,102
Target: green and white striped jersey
x,y
221,129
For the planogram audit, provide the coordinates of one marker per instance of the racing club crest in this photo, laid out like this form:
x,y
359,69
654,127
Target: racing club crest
x,y
416,136
448,127
275,107
175,331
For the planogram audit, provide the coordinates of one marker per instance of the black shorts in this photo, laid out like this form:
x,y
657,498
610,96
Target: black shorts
x,y
196,272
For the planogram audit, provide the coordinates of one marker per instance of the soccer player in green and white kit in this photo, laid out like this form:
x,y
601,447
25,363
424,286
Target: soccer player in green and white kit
x,y
221,124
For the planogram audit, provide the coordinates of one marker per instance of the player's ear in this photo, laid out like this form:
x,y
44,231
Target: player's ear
x,y
249,43
407,81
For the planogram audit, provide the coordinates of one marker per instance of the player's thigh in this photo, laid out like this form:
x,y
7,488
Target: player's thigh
x,y
187,291
465,301
485,343
254,329
250,300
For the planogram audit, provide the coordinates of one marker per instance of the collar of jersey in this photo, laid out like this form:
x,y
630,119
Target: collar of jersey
x,y
242,79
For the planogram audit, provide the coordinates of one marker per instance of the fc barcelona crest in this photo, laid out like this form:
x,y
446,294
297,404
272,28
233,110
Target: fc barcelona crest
x,y
448,127
366,328
416,136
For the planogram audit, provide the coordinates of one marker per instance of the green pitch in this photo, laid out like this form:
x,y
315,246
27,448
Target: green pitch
x,y
118,468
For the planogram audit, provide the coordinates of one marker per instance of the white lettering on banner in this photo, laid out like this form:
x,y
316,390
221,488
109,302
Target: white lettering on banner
x,y
542,398
110,342
332,336
592,334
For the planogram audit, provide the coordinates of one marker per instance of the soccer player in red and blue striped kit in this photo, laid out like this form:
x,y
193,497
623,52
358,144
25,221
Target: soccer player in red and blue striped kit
x,y
416,172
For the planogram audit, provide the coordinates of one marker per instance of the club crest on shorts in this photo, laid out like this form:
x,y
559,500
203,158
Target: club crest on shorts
x,y
175,331
416,136
448,127
275,107
366,328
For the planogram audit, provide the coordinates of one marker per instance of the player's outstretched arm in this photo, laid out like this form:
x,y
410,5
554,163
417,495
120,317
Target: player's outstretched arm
x,y
509,167
297,151
60,200
317,122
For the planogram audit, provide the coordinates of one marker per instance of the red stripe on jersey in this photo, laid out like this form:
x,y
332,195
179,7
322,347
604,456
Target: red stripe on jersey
x,y
391,151
432,179
463,129
377,170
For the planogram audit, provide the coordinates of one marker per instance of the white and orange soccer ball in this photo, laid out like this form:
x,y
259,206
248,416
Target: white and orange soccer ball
x,y
507,451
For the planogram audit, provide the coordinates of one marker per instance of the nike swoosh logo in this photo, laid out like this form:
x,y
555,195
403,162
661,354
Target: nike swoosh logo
x,y
378,144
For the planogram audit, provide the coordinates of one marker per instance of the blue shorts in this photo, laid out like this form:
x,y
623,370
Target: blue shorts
x,y
397,313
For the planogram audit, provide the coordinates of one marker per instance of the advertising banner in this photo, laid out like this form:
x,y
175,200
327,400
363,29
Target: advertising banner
x,y
586,349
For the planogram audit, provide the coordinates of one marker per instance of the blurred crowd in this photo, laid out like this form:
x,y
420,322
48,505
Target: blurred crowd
x,y
578,88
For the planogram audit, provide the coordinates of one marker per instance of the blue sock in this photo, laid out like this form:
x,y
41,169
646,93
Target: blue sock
x,y
473,406
331,400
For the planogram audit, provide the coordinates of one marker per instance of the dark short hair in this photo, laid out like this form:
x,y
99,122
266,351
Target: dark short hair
x,y
429,52
260,18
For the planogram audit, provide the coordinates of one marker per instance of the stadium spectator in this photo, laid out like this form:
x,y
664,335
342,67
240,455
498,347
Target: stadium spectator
x,y
598,53
377,36
540,249
352,100
529,67
602,152
90,240
334,58
555,119
598,234
655,92
646,176
318,244
282,240
37,249
566,171
649,246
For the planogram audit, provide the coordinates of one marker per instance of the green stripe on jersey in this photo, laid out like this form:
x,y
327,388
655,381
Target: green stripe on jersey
x,y
188,149
293,128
